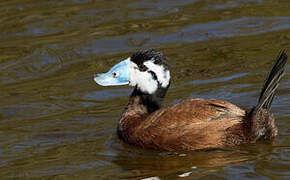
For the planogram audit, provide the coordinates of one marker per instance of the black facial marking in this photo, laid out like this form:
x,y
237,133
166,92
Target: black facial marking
x,y
151,54
142,67
153,75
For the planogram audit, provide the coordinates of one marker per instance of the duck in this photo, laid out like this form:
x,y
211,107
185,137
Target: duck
x,y
194,123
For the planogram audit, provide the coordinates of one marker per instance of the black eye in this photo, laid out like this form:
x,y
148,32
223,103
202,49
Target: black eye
x,y
114,74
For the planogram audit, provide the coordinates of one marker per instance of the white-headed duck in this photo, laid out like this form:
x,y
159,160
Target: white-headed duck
x,y
193,123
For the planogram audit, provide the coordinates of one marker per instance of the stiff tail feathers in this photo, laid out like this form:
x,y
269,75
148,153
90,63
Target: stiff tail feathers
x,y
259,120
272,82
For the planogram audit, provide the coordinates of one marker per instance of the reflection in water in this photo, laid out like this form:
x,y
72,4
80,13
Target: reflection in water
x,y
55,122
142,163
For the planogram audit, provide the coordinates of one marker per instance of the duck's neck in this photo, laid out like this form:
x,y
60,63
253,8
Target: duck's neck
x,y
151,102
140,105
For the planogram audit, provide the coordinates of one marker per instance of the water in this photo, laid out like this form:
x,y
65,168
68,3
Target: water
x,y
56,123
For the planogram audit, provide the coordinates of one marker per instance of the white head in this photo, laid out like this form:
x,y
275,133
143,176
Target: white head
x,y
146,70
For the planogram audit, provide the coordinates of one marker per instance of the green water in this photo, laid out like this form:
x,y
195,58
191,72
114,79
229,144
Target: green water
x,y
56,123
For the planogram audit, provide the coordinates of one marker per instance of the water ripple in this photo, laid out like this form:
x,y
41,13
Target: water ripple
x,y
245,26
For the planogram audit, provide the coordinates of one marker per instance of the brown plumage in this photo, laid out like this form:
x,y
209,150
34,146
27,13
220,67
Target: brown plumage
x,y
194,123
191,124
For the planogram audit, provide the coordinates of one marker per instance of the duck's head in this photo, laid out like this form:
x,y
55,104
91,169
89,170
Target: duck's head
x,y
146,70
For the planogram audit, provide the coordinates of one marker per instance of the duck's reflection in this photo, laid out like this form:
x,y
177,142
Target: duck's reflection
x,y
140,163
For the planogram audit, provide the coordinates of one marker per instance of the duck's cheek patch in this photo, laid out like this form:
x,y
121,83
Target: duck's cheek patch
x,y
165,79
163,75
144,81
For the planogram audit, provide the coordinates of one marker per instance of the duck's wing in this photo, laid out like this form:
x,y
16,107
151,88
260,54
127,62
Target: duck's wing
x,y
190,124
195,111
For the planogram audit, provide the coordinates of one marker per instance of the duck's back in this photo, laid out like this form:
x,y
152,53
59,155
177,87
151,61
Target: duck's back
x,y
188,125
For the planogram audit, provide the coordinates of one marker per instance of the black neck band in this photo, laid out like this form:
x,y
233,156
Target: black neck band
x,y
152,101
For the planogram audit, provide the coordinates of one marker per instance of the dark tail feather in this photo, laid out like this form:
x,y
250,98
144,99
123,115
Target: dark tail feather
x,y
272,82
259,122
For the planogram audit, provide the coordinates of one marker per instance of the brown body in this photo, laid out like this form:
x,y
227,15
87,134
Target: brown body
x,y
189,125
